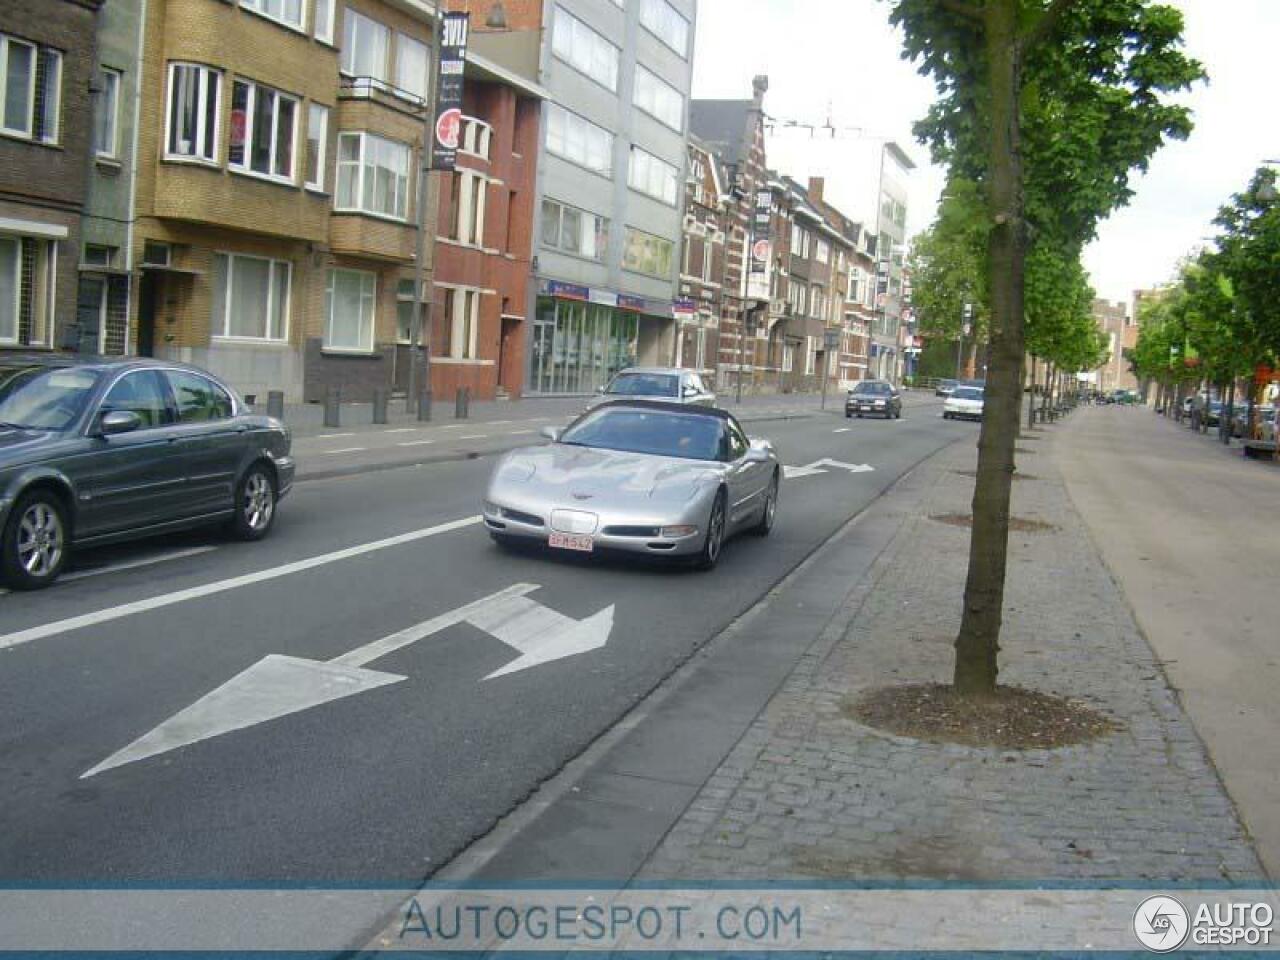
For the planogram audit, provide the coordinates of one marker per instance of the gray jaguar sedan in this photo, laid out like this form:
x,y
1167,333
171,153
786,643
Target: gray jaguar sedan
x,y
639,477
96,451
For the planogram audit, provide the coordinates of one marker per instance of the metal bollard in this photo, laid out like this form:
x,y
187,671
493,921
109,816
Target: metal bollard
x,y
461,402
424,405
275,404
333,407
379,406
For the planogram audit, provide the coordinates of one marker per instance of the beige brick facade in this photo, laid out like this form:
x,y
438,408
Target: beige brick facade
x,y
204,208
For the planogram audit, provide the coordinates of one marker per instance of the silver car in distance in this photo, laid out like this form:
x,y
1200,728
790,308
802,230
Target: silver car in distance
x,y
641,477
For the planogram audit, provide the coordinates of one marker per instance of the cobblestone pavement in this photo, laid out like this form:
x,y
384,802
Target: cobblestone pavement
x,y
810,795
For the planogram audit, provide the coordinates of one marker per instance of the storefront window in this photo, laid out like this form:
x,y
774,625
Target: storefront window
x,y
578,346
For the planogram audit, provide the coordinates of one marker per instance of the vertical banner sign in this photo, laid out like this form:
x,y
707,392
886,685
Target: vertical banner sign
x,y
761,248
449,69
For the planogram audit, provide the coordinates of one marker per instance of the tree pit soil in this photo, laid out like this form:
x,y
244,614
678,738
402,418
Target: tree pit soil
x,y
1016,524
1013,718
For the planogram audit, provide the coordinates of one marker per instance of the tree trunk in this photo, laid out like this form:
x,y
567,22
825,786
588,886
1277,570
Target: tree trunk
x,y
1031,400
978,643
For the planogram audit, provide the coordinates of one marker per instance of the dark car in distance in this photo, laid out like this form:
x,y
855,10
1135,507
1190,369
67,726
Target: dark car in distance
x,y
873,397
96,451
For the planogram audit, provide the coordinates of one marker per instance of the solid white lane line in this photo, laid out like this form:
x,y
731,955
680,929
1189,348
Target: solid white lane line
x,y
475,436
414,443
333,436
523,433
222,586
843,430
403,430
345,450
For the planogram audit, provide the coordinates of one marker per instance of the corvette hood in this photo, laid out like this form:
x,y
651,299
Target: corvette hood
x,y
567,473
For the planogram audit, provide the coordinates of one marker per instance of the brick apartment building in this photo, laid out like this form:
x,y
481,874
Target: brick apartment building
x,y
702,273
278,154
1121,331
734,131
49,55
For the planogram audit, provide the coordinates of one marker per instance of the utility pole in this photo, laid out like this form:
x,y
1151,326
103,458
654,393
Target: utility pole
x,y
426,155
964,332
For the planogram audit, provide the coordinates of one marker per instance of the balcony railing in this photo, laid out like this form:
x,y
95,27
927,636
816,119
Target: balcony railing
x,y
368,87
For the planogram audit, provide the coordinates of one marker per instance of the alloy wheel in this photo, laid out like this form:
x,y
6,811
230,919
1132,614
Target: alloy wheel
x,y
40,540
259,501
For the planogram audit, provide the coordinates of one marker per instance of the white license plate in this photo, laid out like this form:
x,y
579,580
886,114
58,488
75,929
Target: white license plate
x,y
569,541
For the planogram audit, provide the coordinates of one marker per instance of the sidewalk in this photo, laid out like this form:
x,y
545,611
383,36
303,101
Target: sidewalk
x,y
307,419
1190,529
701,783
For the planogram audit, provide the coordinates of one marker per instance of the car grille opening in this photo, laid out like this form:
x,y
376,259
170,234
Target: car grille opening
x,y
630,531
521,517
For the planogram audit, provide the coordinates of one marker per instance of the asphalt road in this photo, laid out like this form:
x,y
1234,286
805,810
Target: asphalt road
x,y
385,784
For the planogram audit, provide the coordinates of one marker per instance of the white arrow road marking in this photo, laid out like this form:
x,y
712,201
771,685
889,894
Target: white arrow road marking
x,y
220,586
817,467
277,686
540,634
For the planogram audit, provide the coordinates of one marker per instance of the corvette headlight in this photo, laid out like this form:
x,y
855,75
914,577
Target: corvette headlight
x,y
676,532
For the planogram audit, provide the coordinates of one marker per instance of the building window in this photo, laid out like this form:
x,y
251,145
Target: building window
x,y
666,23
18,84
156,254
262,129
288,12
365,45
585,50
349,308
28,275
574,231
462,316
810,349
411,66
30,90
405,309
250,297
659,99
106,122
96,255
647,254
10,287
323,20
708,251
652,176
822,251
788,358
373,175
317,142
193,117
468,220
579,140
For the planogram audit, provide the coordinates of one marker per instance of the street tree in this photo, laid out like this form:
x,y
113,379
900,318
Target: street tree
x,y
1048,105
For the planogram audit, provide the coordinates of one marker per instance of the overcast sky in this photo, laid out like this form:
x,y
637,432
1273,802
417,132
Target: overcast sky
x,y
839,59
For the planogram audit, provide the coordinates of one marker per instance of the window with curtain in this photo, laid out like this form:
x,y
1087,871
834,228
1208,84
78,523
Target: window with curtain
x,y
250,297
411,66
288,12
654,177
579,140
10,288
365,46
262,130
193,117
666,23
107,119
317,144
373,175
349,309
584,49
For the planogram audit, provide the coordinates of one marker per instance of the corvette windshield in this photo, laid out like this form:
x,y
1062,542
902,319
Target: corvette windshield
x,y
42,399
644,385
689,437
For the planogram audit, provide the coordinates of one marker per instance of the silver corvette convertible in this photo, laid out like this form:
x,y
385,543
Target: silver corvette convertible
x,y
641,477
